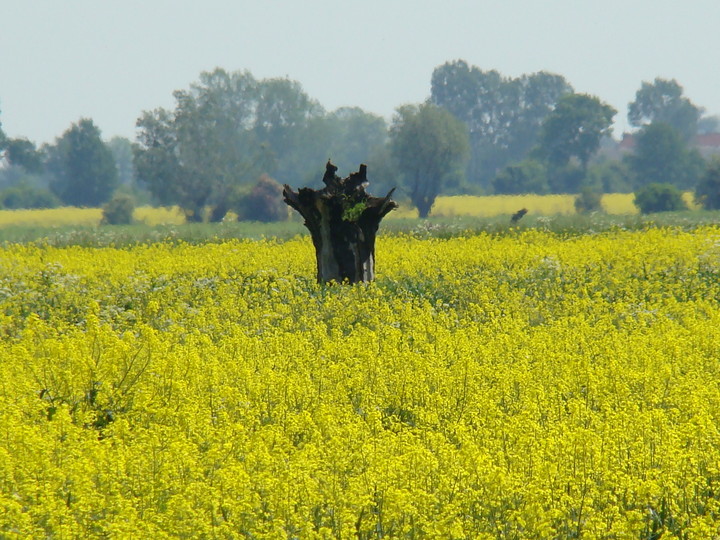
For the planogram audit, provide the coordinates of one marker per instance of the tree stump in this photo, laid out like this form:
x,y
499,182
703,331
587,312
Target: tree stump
x,y
343,221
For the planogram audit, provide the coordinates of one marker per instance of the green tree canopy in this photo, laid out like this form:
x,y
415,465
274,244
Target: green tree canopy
x,y
431,147
23,153
574,129
661,156
610,176
503,115
194,155
656,197
356,136
121,149
662,101
225,131
707,192
286,121
528,176
82,166
348,136
157,161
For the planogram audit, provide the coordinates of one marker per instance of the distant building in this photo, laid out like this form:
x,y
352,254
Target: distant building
x,y
708,144
627,143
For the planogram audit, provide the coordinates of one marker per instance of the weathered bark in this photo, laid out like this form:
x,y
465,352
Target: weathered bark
x,y
343,221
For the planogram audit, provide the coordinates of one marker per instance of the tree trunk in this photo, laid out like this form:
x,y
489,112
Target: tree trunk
x,y
424,208
218,212
343,221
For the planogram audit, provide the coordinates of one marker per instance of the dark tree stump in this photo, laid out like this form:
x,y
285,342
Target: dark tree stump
x,y
343,221
517,216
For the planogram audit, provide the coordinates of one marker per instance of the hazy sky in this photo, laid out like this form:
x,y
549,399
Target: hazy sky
x,y
61,60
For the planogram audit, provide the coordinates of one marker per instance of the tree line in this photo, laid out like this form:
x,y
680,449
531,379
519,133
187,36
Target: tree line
x,y
231,137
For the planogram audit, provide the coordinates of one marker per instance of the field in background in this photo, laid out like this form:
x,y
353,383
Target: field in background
x,y
497,205
614,204
60,217
538,205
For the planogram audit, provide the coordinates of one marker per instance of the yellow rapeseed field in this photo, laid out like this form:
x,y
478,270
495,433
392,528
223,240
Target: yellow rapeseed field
x,y
447,206
544,205
68,216
524,385
497,205
486,206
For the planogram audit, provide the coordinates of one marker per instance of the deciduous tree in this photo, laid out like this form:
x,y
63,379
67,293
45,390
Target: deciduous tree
x,y
121,149
662,101
707,192
661,156
503,115
20,152
659,198
528,176
263,203
574,129
225,131
431,148
356,136
82,166
23,153
194,155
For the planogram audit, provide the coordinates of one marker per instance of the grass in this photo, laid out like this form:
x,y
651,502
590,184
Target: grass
x,y
438,227
451,217
125,235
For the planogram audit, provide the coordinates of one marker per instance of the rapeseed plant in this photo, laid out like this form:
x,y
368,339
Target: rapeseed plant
x,y
465,205
526,385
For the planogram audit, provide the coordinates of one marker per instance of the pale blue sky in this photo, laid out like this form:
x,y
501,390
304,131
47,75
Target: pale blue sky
x,y
109,60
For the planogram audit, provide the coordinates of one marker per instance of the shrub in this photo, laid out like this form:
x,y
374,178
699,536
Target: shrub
x,y
588,200
611,176
566,178
659,198
662,156
24,196
119,210
525,177
707,192
263,203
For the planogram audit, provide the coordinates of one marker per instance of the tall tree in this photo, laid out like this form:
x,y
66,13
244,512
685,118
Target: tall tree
x,y
195,155
285,121
156,160
82,166
663,101
528,176
503,115
707,192
431,148
356,135
574,129
539,95
121,149
23,153
21,162
662,156
225,131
